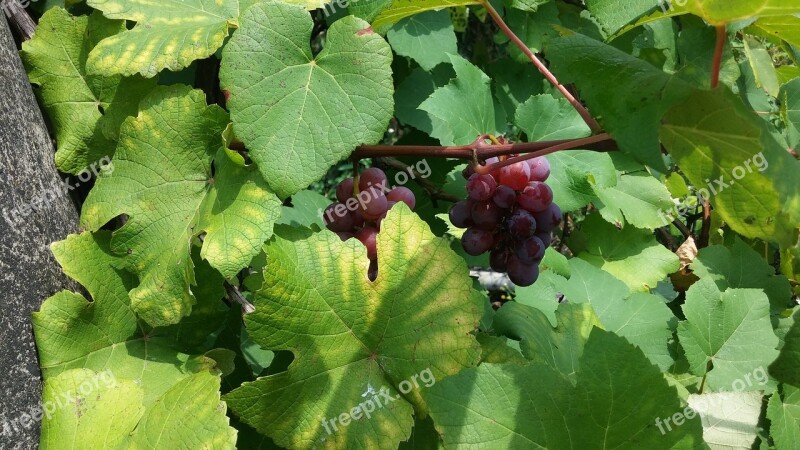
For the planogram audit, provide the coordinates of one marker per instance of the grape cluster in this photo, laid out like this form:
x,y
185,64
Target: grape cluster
x,y
509,213
358,214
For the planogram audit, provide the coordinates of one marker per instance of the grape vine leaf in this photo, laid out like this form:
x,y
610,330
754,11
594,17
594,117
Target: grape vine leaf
x,y
760,61
576,175
415,89
730,419
558,347
632,255
353,338
399,9
498,350
789,97
469,94
117,408
787,367
726,333
168,35
637,198
86,110
535,29
727,161
696,44
642,318
298,113
495,406
739,266
629,94
613,15
783,411
780,28
720,12
98,345
426,38
73,333
306,210
546,118
167,209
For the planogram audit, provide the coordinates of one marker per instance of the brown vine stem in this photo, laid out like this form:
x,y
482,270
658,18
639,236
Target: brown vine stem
x,y
593,125
573,144
482,149
719,49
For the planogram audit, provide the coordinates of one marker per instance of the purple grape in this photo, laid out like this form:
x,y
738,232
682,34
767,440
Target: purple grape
x,y
481,187
368,236
375,204
344,235
530,251
540,168
520,273
498,259
486,215
338,218
371,177
476,241
461,214
536,197
548,219
344,190
521,225
402,194
515,176
546,237
504,197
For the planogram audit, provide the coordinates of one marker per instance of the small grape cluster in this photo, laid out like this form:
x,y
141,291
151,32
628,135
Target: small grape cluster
x,y
358,214
509,213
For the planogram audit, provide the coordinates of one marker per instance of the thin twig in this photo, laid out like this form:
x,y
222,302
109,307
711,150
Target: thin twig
x,y
705,232
236,297
593,125
687,233
19,19
573,144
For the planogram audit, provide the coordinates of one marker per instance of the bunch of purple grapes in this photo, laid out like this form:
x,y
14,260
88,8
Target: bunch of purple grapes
x,y
359,214
509,213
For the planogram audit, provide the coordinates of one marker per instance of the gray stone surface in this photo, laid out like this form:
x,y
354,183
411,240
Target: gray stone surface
x,y
28,272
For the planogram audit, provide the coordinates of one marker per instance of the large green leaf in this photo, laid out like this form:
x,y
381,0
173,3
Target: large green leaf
x,y
399,9
787,367
426,38
558,347
168,34
513,407
129,375
298,113
546,118
628,93
576,175
785,28
714,139
353,338
640,198
726,334
168,208
739,266
730,419
719,12
634,256
615,14
107,413
86,110
783,411
468,94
